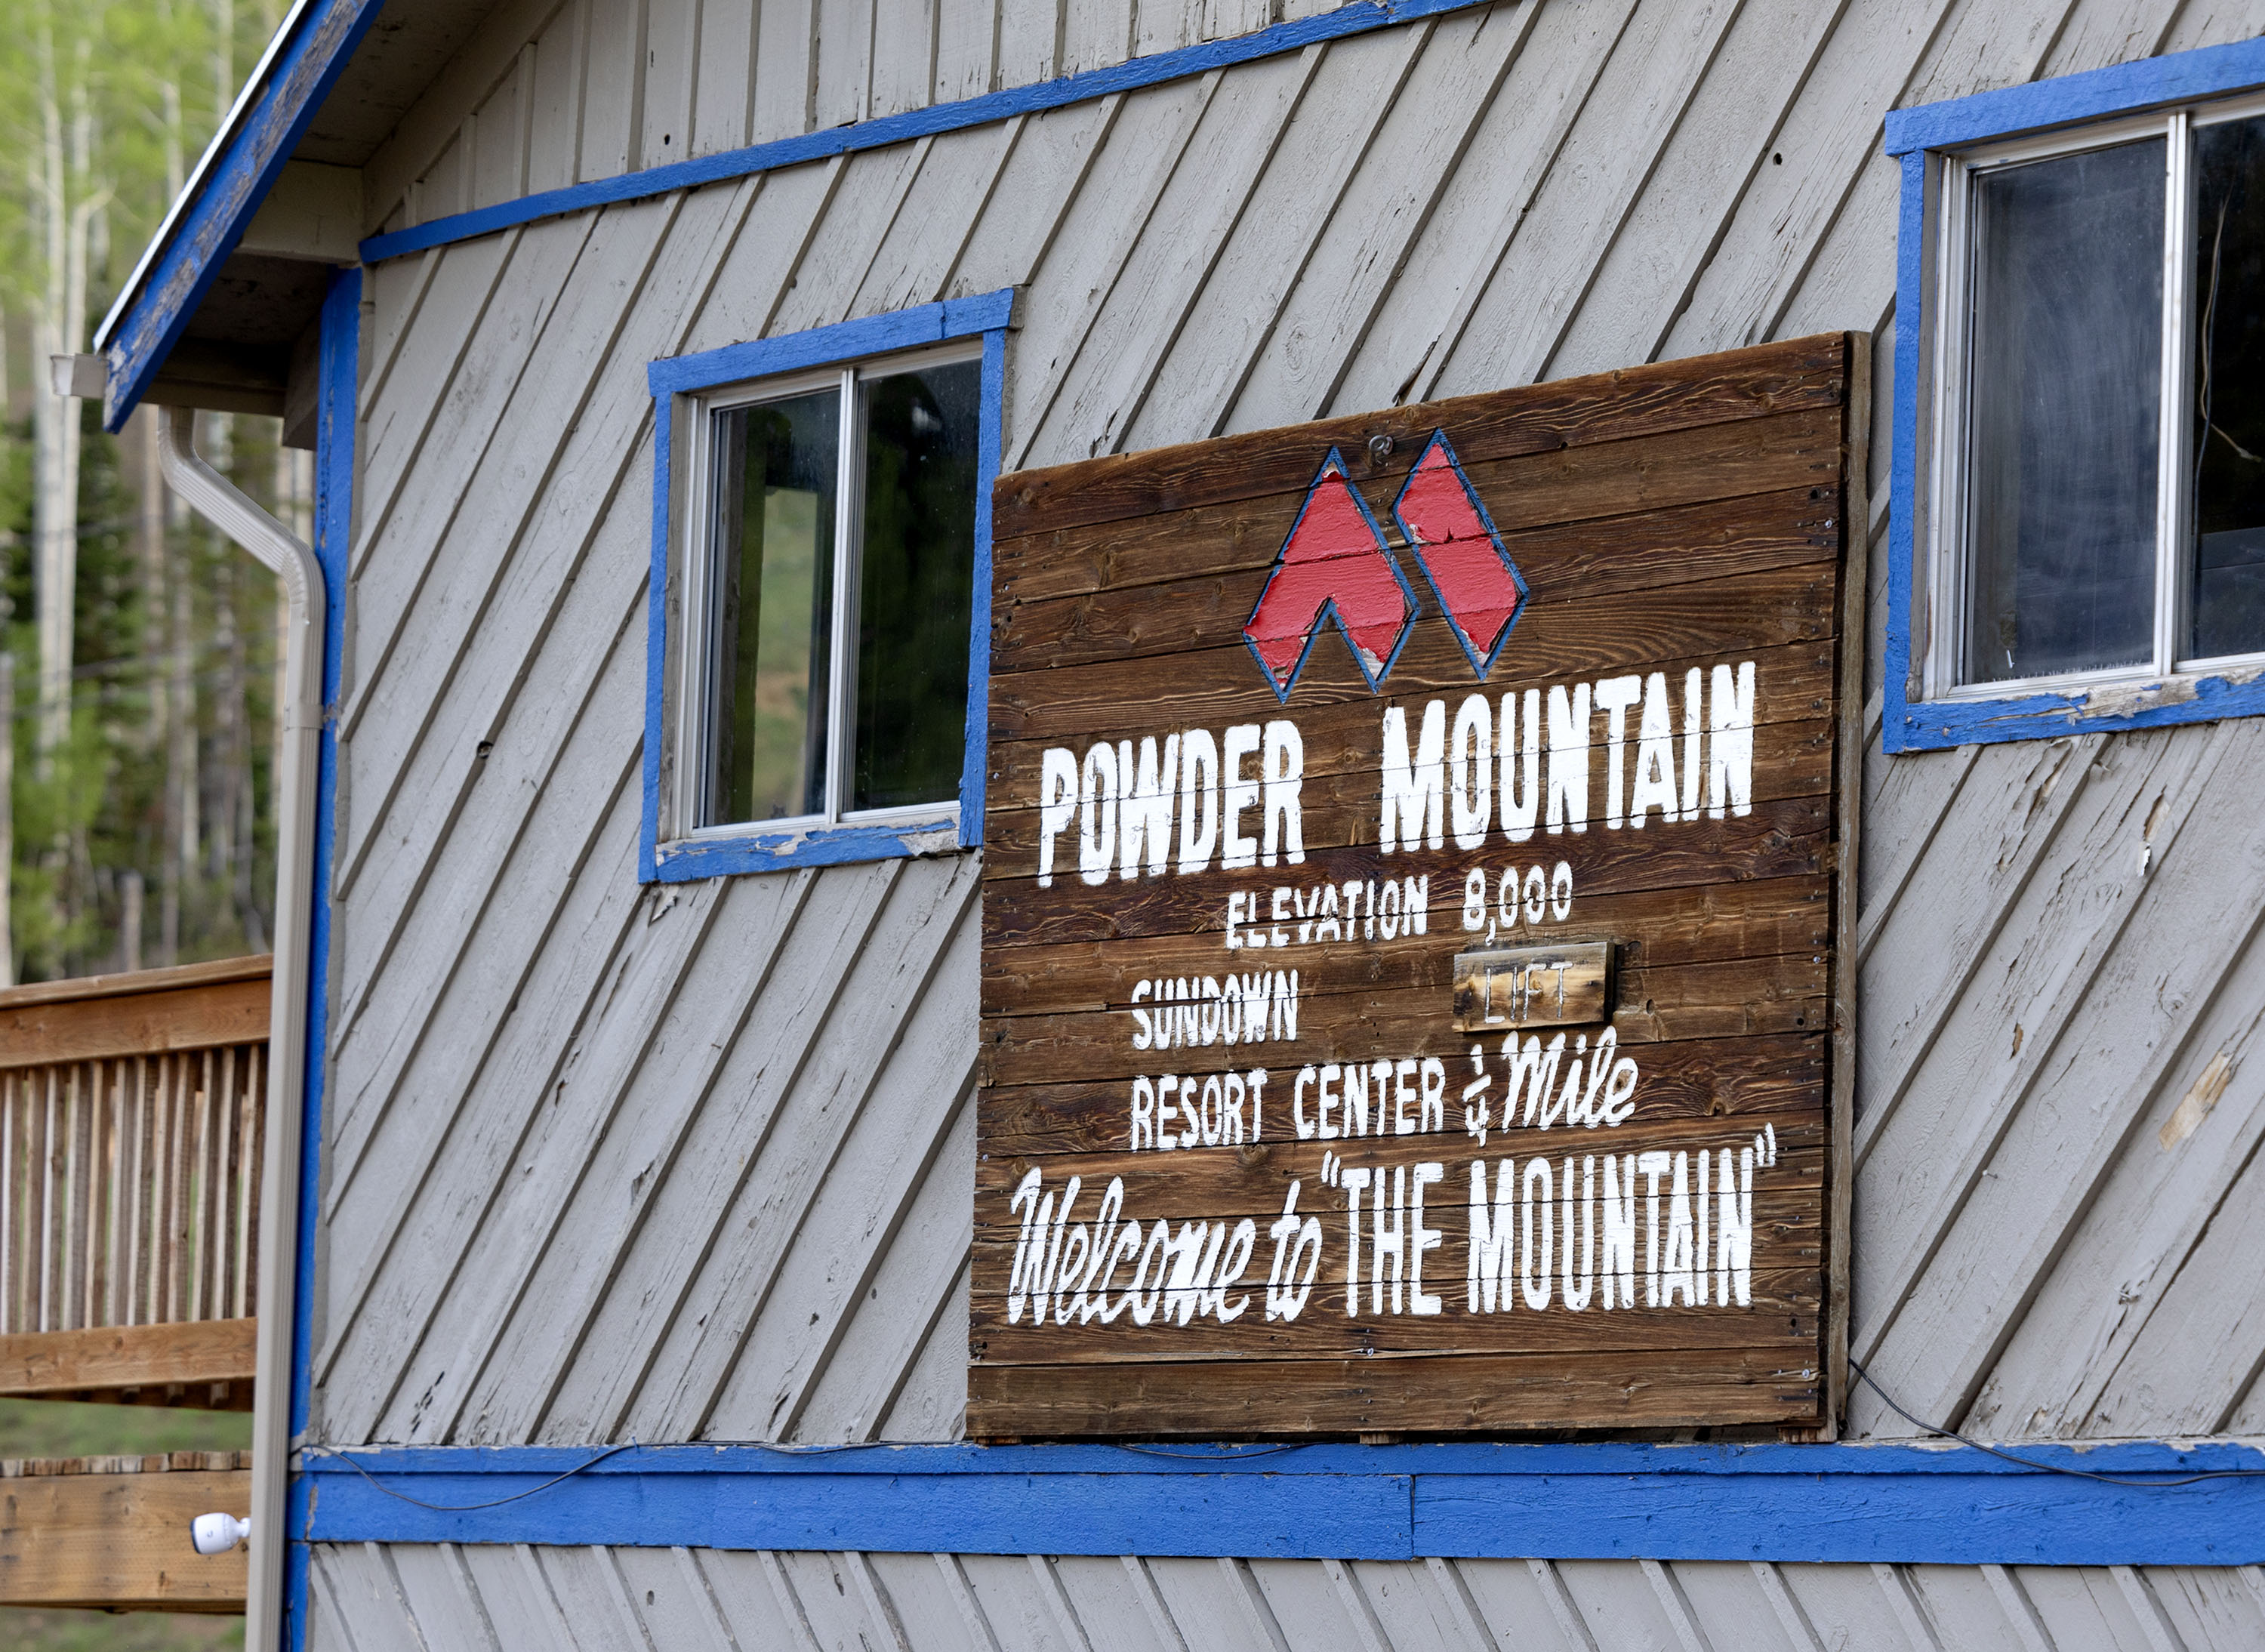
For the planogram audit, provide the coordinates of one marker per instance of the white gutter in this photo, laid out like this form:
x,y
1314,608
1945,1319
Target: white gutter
x,y
217,500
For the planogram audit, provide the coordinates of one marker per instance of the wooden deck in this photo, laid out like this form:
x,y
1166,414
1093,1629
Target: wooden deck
x,y
131,1109
112,1532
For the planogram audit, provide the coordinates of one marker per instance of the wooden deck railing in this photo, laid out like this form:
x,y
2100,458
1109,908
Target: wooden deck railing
x,y
131,1111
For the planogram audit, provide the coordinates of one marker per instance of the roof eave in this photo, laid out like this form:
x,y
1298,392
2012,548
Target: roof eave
x,y
302,64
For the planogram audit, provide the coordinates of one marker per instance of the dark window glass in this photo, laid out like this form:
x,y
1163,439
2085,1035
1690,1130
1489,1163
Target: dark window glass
x,y
916,577
2065,393
773,608
2229,382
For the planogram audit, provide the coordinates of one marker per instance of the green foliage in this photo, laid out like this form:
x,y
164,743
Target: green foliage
x,y
58,1428
90,814
123,95
174,649
153,79
50,1631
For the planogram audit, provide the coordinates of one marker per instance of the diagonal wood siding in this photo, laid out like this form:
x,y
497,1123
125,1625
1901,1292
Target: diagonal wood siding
x,y
693,1163
551,93
417,1596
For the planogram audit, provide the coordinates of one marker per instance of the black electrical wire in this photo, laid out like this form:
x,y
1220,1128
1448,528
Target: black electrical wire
x,y
1227,1456
469,1507
766,1445
1233,1456
2046,1469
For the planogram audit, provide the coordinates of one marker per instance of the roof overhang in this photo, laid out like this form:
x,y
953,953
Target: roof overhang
x,y
223,310
193,257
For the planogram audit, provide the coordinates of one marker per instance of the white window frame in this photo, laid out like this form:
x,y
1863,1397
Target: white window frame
x,y
696,555
1948,518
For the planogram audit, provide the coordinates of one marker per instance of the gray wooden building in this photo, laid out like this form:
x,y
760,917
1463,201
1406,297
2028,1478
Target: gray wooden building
x,y
631,1251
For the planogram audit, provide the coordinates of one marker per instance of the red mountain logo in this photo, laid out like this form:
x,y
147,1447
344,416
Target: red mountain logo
x,y
1335,565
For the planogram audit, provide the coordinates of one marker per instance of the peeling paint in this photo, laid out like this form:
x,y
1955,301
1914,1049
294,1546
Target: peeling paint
x,y
2129,700
936,841
2194,1105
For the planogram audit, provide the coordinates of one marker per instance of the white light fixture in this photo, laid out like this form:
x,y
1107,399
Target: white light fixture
x,y
218,1533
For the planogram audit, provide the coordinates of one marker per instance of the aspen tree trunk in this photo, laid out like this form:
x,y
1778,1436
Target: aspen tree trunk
x,y
230,839
68,208
182,787
55,419
152,513
173,707
157,735
129,919
223,57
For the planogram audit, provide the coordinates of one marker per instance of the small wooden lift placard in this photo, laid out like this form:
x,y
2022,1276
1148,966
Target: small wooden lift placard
x,y
1283,726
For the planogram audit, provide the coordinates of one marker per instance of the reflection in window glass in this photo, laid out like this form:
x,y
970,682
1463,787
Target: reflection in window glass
x,y
2064,393
2229,384
916,576
772,608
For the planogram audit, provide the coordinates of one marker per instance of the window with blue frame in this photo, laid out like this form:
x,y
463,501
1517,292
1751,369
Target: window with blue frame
x,y
2080,462
820,588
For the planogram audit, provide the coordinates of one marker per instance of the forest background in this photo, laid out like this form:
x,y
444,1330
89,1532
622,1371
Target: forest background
x,y
137,680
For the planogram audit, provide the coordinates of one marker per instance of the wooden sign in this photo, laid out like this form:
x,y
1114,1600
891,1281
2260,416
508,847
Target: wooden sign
x,y
1321,760
1560,985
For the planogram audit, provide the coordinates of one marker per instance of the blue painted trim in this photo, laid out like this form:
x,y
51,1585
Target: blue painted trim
x,y
975,773
2122,89
824,346
690,860
340,378
1913,1504
1939,725
986,315
301,78
1932,725
656,636
1903,461
1360,17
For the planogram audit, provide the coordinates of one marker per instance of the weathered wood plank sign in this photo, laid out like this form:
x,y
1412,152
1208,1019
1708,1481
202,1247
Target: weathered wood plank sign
x,y
1302,743
1560,985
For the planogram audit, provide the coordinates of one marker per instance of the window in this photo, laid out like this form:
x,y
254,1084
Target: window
x,y
2080,502
2103,307
821,566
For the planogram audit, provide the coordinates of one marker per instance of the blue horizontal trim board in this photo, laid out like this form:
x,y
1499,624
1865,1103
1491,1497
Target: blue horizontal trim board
x,y
302,77
688,860
955,825
1937,724
2213,72
1909,725
1912,1504
844,341
1358,19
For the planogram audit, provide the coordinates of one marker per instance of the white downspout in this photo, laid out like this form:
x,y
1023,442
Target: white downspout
x,y
218,501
